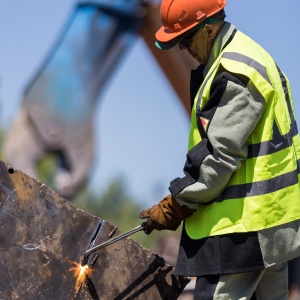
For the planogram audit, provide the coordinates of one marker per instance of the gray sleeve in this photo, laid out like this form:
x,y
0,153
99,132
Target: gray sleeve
x,y
234,119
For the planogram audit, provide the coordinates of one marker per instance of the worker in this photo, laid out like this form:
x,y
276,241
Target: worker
x,y
239,196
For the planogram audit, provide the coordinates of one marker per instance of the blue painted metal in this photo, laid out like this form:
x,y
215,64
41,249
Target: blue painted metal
x,y
59,102
61,97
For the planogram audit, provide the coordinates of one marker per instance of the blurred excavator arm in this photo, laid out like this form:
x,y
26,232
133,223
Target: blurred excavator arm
x,y
57,109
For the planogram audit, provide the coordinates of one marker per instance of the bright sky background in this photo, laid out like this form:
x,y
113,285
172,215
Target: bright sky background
x,y
144,138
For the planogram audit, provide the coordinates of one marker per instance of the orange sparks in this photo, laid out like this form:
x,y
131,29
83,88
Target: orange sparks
x,y
80,273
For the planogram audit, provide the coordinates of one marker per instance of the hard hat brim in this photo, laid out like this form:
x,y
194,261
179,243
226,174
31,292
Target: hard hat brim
x,y
165,41
168,45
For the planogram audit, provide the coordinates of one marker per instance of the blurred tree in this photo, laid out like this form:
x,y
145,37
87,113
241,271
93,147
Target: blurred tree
x,y
46,168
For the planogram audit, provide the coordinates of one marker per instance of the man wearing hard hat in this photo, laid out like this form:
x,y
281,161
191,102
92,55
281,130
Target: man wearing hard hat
x,y
240,196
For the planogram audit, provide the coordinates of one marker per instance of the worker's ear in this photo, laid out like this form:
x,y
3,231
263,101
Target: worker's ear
x,y
210,30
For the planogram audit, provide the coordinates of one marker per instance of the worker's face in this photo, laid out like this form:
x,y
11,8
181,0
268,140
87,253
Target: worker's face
x,y
201,44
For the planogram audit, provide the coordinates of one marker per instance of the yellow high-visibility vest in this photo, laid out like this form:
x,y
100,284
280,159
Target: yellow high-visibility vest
x,y
264,192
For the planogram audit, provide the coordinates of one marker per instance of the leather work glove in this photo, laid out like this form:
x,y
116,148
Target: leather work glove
x,y
167,214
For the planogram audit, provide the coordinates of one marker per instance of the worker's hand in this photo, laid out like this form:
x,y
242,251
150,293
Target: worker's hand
x,y
167,214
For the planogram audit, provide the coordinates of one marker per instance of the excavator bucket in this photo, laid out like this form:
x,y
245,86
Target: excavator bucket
x,y
43,238
59,102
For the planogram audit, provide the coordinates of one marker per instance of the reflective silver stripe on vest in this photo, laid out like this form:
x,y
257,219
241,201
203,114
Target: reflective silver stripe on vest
x,y
248,61
237,57
260,187
284,141
272,146
277,144
263,148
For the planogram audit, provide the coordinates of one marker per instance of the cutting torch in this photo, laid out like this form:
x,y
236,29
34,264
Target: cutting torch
x,y
84,259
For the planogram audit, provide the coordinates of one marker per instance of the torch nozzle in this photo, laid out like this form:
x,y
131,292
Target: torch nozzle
x,y
84,260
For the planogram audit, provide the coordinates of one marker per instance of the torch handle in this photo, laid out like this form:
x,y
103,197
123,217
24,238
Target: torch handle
x,y
113,240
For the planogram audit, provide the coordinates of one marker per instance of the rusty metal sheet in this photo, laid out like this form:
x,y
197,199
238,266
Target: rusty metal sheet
x,y
42,235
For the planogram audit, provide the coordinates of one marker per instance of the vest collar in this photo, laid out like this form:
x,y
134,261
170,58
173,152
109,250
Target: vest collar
x,y
221,40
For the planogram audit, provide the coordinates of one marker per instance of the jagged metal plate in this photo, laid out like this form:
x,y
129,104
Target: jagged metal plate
x,y
42,235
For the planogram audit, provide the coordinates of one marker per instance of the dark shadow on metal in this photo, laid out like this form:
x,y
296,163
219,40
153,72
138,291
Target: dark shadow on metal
x,y
159,280
91,288
91,244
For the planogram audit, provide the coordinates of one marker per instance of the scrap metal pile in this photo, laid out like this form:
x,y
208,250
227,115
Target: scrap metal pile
x,y
43,238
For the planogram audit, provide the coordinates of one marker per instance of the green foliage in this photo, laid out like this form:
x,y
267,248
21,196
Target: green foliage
x,y
46,169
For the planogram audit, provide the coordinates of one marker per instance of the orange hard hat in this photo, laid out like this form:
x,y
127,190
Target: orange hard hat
x,y
179,16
